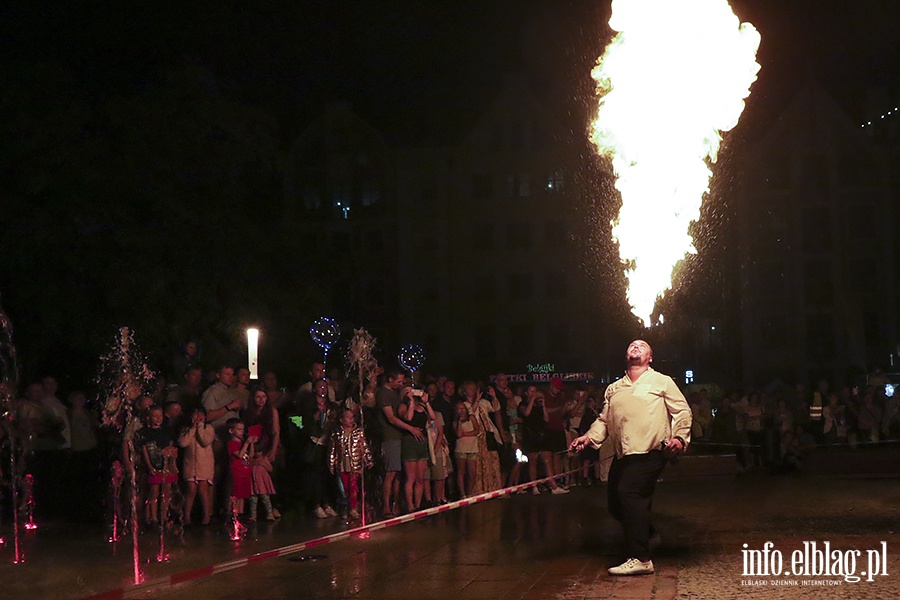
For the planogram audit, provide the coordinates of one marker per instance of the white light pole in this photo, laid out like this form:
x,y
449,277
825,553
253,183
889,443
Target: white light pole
x,y
252,352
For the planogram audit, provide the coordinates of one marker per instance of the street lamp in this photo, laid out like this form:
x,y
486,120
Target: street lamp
x,y
252,352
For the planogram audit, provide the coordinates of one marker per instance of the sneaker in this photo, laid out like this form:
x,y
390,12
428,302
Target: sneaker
x,y
354,514
536,491
633,566
559,490
330,511
321,513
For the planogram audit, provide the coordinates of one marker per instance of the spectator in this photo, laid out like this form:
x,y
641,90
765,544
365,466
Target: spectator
x,y
554,405
188,394
199,465
415,410
157,446
84,472
868,418
242,385
240,449
316,372
488,478
535,439
221,404
349,453
188,357
388,399
261,413
317,426
270,385
467,433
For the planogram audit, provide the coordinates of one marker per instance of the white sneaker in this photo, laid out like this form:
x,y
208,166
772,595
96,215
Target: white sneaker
x,y
330,511
633,566
559,490
536,491
320,513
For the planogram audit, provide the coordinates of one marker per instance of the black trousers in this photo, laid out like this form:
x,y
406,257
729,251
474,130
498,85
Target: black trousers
x,y
632,481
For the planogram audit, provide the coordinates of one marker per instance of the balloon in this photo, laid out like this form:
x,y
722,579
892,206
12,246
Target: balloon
x,y
325,332
411,357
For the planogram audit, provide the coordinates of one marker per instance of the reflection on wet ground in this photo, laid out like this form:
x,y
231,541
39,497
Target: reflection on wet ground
x,y
522,547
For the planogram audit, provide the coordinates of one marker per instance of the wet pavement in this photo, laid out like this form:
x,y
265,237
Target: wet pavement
x,y
521,547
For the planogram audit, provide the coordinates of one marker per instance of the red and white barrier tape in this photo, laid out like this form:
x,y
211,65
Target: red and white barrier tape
x,y
185,576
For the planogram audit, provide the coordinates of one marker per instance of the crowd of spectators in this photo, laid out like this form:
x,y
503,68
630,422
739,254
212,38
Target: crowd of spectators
x,y
214,446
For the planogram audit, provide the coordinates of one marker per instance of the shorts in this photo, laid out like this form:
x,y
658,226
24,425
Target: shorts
x,y
413,450
199,479
466,455
390,452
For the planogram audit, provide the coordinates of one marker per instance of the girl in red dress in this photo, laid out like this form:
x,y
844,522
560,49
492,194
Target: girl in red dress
x,y
240,450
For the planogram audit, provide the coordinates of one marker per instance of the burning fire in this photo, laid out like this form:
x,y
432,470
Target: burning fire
x,y
671,81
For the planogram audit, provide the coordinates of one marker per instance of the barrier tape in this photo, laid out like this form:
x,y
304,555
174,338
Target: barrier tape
x,y
185,576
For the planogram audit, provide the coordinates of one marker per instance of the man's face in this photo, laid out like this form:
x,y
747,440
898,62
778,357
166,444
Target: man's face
x,y
193,377
190,348
395,383
270,381
449,388
243,376
502,382
156,417
322,389
49,386
639,353
226,376
317,371
34,392
173,411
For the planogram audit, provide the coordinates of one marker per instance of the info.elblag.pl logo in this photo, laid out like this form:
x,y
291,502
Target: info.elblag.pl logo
x,y
814,561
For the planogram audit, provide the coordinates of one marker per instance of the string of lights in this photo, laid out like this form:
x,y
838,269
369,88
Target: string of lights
x,y
889,113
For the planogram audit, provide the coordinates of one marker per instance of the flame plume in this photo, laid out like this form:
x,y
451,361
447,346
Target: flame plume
x,y
671,81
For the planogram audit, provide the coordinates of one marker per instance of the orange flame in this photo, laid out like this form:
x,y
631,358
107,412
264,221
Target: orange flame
x,y
673,79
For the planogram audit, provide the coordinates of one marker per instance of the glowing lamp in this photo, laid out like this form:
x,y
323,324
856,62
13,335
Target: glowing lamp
x,y
252,352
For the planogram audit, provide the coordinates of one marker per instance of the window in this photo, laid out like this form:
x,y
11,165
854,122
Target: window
x,y
518,185
370,193
555,182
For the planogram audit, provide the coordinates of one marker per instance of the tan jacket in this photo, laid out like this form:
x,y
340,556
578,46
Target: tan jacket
x,y
199,463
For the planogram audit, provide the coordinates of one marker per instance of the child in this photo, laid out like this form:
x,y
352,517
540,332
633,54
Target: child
x,y
239,451
349,452
467,432
261,486
199,464
157,444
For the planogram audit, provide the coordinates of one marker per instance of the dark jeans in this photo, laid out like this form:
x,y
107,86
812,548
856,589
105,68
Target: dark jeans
x,y
632,481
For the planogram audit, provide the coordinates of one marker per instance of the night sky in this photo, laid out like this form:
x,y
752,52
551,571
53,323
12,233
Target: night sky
x,y
84,175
